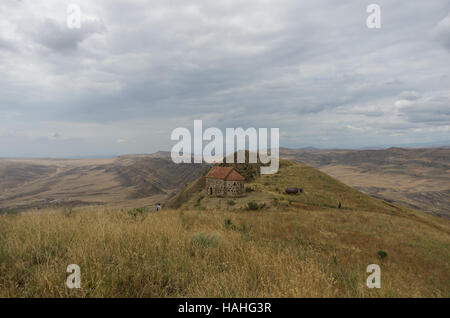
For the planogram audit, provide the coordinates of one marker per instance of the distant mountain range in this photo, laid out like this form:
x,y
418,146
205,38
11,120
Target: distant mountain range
x,y
418,178
124,180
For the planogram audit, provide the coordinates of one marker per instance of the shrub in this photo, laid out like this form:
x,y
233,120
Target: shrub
x,y
249,189
229,224
204,240
382,254
67,211
138,212
231,202
244,228
10,212
252,206
275,201
198,203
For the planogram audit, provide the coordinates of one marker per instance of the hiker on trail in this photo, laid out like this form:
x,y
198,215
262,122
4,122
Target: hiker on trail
x,y
339,206
158,207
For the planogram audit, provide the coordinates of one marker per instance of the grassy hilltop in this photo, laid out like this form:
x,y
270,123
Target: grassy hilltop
x,y
289,246
418,178
319,191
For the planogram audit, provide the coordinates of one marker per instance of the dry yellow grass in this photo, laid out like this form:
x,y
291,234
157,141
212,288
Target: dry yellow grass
x,y
297,246
277,252
418,178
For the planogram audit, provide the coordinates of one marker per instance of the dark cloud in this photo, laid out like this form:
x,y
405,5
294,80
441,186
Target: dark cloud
x,y
58,37
442,32
428,110
7,45
136,70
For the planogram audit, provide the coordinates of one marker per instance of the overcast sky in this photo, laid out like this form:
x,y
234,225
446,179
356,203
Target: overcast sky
x,y
137,69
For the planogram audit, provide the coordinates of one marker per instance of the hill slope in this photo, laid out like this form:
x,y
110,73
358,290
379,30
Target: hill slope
x,y
319,191
295,246
418,178
126,180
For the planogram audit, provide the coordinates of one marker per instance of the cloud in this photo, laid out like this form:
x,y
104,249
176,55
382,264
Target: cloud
x,y
7,45
58,37
442,32
433,110
410,95
135,70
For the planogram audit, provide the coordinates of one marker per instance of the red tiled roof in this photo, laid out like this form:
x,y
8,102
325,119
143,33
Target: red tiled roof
x,y
219,172
225,173
234,176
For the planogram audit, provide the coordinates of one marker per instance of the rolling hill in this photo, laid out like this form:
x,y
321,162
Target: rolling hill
x,y
320,191
125,180
277,246
418,178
